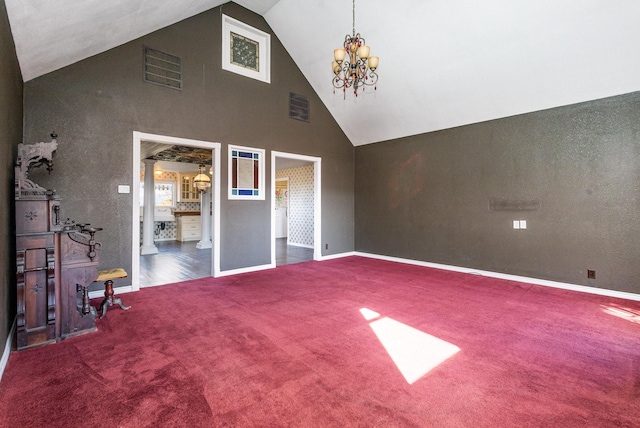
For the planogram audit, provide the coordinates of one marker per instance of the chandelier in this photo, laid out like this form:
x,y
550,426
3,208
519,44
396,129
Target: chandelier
x,y
201,181
352,65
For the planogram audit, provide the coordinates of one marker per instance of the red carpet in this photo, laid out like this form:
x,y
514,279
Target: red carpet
x,y
291,347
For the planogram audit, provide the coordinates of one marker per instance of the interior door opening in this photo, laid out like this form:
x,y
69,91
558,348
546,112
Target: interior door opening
x,y
296,208
186,240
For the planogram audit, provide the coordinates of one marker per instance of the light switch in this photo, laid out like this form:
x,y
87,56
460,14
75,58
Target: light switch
x,y
516,224
123,188
523,224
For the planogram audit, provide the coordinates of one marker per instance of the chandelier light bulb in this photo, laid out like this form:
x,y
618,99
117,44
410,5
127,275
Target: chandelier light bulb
x,y
373,62
363,52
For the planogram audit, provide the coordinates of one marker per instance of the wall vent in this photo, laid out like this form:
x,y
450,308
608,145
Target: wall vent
x,y
298,107
162,68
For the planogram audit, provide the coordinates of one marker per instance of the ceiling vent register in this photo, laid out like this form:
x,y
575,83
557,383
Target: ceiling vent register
x,y
162,68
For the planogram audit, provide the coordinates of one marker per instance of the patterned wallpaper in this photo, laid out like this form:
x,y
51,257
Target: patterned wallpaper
x,y
300,204
170,232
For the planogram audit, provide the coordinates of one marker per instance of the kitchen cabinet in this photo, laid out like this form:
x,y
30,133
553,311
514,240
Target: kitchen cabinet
x,y
189,228
187,191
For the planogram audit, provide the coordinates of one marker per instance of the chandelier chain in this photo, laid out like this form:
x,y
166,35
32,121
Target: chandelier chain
x,y
354,18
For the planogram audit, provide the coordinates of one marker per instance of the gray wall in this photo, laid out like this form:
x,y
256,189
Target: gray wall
x,y
96,104
10,136
427,197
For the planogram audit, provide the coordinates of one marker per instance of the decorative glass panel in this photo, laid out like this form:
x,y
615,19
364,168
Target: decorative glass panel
x,y
245,50
246,173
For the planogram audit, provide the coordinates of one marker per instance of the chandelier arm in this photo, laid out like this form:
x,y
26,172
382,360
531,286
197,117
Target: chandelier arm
x,y
372,78
338,83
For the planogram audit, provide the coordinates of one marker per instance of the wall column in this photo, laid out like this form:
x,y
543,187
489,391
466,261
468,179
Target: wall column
x,y
148,245
205,220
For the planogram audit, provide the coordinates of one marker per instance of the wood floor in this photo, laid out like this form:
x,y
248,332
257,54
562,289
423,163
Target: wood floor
x,y
181,261
289,254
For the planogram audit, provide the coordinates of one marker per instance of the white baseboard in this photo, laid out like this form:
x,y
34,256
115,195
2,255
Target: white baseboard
x,y
7,349
338,256
524,279
245,270
527,280
295,244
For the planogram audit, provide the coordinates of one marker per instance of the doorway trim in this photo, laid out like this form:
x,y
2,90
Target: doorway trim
x,y
317,201
215,148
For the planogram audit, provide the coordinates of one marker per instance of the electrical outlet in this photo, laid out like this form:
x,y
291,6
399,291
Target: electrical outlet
x,y
519,224
591,274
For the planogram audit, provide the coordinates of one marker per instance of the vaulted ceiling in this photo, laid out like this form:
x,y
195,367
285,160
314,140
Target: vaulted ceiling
x,y
443,63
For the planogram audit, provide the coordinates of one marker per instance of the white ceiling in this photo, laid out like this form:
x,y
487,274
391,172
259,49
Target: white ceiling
x,y
443,63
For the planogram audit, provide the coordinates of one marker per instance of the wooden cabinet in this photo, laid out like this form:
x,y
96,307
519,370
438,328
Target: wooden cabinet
x,y
36,289
52,266
189,228
77,270
187,191
37,219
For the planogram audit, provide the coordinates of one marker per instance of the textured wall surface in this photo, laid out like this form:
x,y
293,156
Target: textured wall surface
x,y
300,204
95,106
10,136
573,173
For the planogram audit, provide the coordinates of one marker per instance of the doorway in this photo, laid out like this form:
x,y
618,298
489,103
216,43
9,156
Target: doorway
x,y
282,207
304,244
212,266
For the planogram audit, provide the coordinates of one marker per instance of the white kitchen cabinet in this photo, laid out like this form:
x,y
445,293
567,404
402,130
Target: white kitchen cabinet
x,y
189,228
187,191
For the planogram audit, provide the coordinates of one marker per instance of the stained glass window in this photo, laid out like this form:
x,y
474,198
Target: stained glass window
x,y
246,173
245,52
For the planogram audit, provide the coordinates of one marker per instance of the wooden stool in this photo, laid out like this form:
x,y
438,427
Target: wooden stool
x,y
108,276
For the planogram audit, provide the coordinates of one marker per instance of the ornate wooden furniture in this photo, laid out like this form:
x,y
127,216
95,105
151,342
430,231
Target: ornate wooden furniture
x,y
55,260
36,280
78,269
108,276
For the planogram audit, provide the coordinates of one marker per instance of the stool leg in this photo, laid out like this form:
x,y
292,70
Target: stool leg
x,y
118,301
109,299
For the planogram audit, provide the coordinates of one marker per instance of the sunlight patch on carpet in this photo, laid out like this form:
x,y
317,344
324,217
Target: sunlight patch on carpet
x,y
414,352
631,315
368,314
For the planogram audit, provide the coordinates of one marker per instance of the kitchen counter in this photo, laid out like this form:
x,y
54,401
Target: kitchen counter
x,y
186,213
